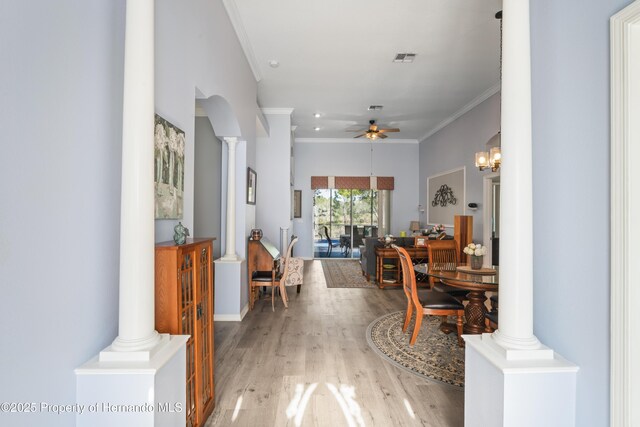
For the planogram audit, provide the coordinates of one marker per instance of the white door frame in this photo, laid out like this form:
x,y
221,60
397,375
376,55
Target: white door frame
x,y
625,210
487,214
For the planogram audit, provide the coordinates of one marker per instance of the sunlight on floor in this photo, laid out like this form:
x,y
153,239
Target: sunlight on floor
x,y
299,402
345,396
350,407
236,409
409,409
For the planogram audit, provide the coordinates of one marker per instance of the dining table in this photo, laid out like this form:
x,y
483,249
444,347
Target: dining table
x,y
477,282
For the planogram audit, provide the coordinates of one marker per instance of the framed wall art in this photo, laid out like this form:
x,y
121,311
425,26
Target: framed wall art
x,y
297,203
169,144
445,196
251,186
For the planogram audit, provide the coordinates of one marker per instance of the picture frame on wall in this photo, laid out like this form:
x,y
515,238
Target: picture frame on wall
x,y
297,203
252,179
446,196
169,146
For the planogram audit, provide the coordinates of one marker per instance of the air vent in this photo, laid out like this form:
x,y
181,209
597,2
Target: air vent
x,y
404,57
374,107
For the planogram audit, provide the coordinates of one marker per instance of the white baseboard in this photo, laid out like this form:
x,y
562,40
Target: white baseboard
x,y
232,317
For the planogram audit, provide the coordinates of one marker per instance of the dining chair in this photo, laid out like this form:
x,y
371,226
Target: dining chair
x,y
330,243
443,256
491,317
428,302
292,273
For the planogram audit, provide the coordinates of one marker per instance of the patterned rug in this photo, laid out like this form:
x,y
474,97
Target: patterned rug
x,y
435,355
344,273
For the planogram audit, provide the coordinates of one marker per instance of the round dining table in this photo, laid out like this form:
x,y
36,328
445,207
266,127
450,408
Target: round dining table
x,y
477,282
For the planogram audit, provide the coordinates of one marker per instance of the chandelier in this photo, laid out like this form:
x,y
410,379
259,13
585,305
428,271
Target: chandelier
x,y
492,157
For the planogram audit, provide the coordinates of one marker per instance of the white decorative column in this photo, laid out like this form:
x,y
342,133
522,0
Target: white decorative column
x,y
136,331
530,384
230,251
141,369
231,269
516,189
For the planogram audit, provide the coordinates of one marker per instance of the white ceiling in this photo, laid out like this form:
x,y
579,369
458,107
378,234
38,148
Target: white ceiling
x,y
336,59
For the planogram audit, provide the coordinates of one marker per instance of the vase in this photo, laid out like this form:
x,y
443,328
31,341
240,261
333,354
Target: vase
x,y
476,262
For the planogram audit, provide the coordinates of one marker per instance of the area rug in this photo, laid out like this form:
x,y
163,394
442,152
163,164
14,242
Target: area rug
x,y
344,273
435,355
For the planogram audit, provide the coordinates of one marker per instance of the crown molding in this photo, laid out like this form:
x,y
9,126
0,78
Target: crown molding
x,y
474,103
354,141
287,111
243,38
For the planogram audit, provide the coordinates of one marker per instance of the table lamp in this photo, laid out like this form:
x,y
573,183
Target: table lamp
x,y
414,227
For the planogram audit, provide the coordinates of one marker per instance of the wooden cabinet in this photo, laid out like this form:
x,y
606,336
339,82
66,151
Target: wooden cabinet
x,y
184,306
388,272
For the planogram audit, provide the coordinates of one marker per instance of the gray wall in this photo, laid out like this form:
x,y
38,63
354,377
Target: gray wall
x,y
207,183
353,159
455,146
570,78
61,124
61,89
274,178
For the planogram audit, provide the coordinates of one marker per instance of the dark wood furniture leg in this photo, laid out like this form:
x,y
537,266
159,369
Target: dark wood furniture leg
x,y
474,313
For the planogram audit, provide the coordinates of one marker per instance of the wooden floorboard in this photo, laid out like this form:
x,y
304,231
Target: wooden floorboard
x,y
310,365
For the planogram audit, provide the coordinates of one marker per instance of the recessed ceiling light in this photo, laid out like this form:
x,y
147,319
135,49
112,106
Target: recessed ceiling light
x,y
274,64
316,115
316,129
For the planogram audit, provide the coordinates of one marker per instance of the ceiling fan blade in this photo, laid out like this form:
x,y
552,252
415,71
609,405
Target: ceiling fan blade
x,y
382,135
360,136
389,130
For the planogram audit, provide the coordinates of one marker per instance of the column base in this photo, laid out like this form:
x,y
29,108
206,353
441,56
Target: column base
x,y
133,351
135,393
231,289
504,388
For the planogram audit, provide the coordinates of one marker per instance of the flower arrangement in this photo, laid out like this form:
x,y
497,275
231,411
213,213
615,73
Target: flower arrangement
x,y
475,249
438,228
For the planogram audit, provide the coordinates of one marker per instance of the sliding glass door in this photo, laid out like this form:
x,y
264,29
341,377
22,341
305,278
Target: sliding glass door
x,y
341,219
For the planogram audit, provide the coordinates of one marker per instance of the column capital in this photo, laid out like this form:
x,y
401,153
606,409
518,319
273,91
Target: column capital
x,y
231,140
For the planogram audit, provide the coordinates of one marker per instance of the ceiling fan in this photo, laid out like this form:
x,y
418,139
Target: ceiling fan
x,y
374,132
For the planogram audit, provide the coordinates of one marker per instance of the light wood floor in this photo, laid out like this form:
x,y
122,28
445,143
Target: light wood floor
x,y
311,365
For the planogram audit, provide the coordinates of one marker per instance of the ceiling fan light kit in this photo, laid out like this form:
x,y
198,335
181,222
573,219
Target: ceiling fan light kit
x,y
374,132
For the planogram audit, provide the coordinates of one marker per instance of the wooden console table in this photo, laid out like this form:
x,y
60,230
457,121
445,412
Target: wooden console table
x,y
392,274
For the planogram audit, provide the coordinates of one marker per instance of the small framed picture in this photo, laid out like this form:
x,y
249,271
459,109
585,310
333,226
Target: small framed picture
x,y
421,241
297,203
251,186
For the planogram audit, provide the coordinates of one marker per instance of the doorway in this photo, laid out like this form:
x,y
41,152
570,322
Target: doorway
x,y
491,217
342,218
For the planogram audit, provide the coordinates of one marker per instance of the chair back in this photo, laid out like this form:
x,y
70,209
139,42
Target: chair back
x,y
409,284
357,236
443,256
293,267
326,234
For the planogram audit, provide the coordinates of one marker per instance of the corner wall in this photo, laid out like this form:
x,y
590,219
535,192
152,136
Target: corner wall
x,y
455,146
198,54
61,122
571,181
